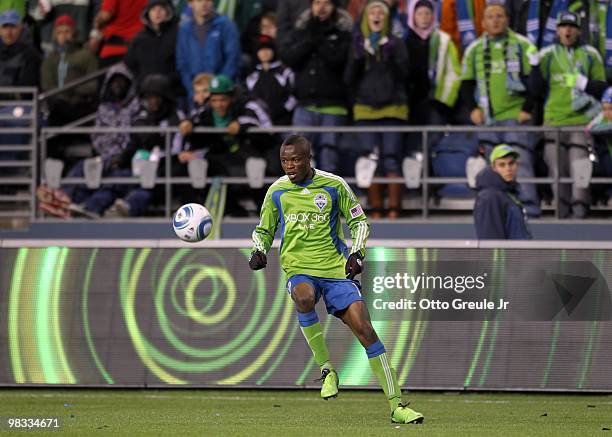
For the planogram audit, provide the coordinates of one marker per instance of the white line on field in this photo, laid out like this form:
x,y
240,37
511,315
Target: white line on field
x,y
303,399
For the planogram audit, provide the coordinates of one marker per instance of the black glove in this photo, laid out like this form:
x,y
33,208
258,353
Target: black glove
x,y
353,265
258,260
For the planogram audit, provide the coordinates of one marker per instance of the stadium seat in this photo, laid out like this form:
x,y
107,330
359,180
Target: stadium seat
x,y
198,171
53,172
255,171
92,169
411,169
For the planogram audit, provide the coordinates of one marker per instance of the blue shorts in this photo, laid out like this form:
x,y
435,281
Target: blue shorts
x,y
338,294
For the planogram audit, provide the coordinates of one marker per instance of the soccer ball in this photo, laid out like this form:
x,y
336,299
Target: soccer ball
x,y
192,222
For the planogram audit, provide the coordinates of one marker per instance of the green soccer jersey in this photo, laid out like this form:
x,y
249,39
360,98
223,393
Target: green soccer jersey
x,y
492,62
312,241
556,62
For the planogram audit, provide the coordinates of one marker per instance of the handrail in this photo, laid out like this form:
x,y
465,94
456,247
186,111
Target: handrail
x,y
318,129
73,84
18,89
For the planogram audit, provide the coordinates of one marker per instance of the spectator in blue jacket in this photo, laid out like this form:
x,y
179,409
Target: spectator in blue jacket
x,y
209,43
498,212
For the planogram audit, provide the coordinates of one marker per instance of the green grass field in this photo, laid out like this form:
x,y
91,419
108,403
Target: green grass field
x,y
301,412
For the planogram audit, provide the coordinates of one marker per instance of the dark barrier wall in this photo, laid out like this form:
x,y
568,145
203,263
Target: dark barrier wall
x,y
144,317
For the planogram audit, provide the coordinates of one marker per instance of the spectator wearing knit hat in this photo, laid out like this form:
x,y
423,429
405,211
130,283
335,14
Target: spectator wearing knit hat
x,y
398,17
272,82
153,50
68,61
316,51
377,70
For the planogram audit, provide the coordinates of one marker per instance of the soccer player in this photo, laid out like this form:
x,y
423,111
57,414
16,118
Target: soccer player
x,y
307,203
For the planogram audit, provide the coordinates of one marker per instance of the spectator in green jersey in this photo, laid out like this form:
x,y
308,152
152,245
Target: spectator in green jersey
x,y
563,70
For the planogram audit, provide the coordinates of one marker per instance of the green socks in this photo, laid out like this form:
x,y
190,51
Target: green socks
x,y
313,333
385,374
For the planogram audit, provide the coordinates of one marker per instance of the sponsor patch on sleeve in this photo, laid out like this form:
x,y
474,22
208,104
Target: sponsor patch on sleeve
x,y
356,211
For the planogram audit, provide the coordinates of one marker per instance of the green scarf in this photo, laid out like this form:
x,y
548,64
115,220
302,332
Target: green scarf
x,y
483,71
443,73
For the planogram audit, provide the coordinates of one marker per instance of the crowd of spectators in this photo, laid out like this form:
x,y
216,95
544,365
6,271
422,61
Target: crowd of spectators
x,y
320,63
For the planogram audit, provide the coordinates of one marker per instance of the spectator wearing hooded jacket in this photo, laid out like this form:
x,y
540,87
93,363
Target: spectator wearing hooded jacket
x,y
498,212
272,82
118,106
157,109
287,14
377,70
68,61
316,50
153,50
435,70
209,43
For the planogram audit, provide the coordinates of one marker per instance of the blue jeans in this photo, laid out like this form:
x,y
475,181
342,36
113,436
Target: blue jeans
x,y
525,144
103,198
390,144
325,144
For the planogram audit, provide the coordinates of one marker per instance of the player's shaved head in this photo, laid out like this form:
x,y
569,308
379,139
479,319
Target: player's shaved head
x,y
295,154
300,144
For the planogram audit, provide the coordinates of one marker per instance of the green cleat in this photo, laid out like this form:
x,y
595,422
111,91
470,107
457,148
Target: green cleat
x,y
329,389
403,414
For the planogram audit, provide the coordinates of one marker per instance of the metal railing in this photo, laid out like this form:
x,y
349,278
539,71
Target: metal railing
x,y
18,139
426,180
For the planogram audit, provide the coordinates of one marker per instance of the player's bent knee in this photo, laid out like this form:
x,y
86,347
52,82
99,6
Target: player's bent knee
x,y
304,297
304,304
